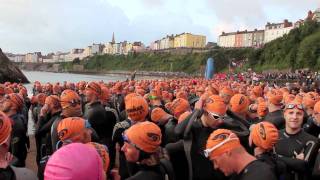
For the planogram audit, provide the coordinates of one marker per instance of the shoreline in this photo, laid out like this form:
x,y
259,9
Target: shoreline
x,y
119,72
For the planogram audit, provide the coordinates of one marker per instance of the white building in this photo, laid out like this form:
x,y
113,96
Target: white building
x,y
59,57
116,48
96,49
227,39
138,47
167,42
88,51
247,39
155,45
16,58
316,15
75,53
108,48
48,60
19,58
276,30
33,57
128,48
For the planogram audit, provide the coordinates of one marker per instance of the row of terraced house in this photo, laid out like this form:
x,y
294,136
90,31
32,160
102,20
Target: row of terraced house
x,y
257,38
184,40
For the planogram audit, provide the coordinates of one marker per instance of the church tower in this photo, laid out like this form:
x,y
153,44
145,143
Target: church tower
x,y
113,40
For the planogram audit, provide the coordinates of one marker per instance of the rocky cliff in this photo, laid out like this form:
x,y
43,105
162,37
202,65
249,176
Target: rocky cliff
x,y
9,72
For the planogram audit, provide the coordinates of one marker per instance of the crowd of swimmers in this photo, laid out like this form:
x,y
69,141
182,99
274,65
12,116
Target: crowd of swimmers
x,y
178,129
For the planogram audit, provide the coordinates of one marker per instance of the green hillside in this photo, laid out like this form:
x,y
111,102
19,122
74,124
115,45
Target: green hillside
x,y
299,49
191,63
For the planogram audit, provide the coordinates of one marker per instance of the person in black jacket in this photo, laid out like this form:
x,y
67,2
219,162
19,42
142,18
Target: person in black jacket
x,y
12,106
137,109
275,114
196,129
142,146
7,171
263,137
49,113
71,107
166,122
313,124
295,147
94,111
27,103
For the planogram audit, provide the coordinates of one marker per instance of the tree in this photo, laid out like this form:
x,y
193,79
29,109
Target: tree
x,y
308,51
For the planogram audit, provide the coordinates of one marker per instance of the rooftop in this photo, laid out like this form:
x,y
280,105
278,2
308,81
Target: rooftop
x,y
241,32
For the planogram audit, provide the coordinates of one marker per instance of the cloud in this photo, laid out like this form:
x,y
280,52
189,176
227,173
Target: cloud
x,y
153,3
296,5
57,25
250,14
60,25
248,11
155,27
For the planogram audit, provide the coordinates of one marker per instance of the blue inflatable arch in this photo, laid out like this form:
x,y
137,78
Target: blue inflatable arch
x,y
209,69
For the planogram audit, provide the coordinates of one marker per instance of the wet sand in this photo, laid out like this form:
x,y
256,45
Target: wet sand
x,y
31,158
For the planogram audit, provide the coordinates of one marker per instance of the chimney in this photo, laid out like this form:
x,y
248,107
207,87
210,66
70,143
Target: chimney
x,y
286,23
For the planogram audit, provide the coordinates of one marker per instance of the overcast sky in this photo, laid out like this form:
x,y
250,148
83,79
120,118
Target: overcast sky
x,y
60,25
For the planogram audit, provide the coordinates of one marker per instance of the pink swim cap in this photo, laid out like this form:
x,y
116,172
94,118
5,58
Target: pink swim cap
x,y
74,161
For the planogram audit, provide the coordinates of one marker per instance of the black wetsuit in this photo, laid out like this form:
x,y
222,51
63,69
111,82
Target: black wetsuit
x,y
147,173
117,102
125,168
83,101
43,130
54,133
55,138
25,113
202,167
312,128
101,121
168,132
7,174
276,118
19,140
40,144
35,112
301,142
43,135
316,168
14,173
277,166
256,170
